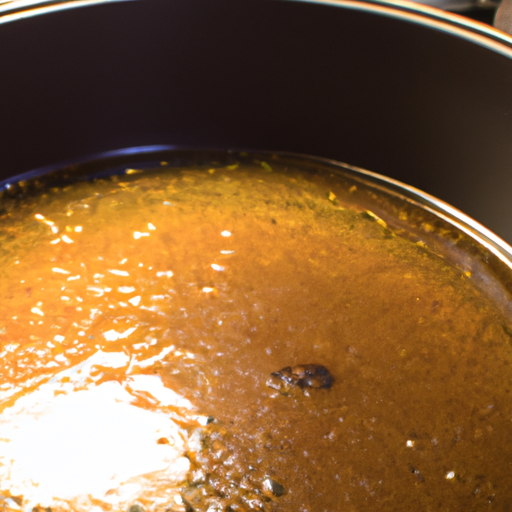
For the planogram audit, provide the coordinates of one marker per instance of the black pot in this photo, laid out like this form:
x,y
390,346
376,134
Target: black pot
x,y
409,92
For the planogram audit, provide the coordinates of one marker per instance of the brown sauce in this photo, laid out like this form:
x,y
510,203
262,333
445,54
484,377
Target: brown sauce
x,y
323,363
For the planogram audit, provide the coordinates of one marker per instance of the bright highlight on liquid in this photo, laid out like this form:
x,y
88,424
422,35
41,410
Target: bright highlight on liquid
x,y
75,439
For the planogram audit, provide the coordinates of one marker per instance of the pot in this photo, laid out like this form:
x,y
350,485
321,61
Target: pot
x,y
406,91
392,87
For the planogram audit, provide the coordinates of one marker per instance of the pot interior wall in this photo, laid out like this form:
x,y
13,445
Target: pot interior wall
x,y
398,98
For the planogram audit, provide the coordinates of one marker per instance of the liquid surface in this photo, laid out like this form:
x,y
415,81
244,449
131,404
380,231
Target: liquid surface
x,y
230,339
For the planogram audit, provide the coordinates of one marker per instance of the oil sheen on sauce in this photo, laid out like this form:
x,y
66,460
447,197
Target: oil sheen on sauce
x,y
229,339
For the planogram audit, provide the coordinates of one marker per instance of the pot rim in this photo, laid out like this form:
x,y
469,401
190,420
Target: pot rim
x,y
441,209
481,235
431,17
413,12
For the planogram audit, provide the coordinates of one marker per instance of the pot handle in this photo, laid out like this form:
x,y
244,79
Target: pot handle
x,y
503,19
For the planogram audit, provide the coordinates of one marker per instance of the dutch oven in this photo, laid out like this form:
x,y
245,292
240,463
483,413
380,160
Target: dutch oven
x,y
407,91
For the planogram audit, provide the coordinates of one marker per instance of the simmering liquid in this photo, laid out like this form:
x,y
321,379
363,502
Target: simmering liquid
x,y
239,337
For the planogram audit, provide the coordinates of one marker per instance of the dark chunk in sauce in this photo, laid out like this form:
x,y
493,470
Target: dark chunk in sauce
x,y
302,375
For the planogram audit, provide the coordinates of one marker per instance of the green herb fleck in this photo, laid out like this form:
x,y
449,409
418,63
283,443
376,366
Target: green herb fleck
x,y
266,166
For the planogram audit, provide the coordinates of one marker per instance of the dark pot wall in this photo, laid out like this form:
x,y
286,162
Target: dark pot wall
x,y
401,99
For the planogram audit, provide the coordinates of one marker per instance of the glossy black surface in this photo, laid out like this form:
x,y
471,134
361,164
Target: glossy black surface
x,y
398,98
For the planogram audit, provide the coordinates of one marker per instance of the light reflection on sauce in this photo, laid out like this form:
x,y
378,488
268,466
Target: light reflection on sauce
x,y
78,436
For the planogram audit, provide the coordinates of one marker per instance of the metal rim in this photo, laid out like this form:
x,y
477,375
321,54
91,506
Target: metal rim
x,y
431,17
449,214
453,216
15,10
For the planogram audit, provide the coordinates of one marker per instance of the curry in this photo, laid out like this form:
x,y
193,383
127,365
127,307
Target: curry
x,y
242,335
